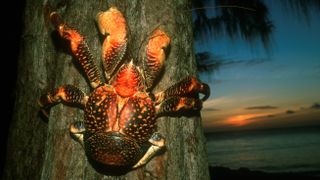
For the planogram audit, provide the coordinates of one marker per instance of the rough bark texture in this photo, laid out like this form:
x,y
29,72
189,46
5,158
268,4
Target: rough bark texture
x,y
44,150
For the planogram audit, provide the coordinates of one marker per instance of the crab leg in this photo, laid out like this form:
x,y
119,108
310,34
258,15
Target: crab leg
x,y
79,49
155,56
189,86
157,144
112,24
176,104
182,96
67,93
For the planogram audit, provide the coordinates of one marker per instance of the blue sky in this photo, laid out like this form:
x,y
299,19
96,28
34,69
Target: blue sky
x,y
262,93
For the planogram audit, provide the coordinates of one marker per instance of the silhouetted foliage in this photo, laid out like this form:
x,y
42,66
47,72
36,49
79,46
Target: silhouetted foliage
x,y
245,19
232,18
235,18
301,7
207,62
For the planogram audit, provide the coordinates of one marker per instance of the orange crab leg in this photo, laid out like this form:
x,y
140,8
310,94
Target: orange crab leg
x,y
155,54
182,96
79,49
178,104
189,86
112,24
67,93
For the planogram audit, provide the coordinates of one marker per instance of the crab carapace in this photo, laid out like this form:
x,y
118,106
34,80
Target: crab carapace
x,y
120,114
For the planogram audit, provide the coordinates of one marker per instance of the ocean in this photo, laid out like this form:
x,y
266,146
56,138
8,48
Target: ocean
x,y
276,150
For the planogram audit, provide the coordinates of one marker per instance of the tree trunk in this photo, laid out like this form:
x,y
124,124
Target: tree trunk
x,y
44,150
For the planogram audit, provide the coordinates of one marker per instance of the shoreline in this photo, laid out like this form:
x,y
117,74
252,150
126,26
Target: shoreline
x,y
219,172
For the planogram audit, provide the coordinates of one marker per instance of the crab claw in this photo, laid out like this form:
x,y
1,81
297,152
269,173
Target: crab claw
x,y
112,24
156,55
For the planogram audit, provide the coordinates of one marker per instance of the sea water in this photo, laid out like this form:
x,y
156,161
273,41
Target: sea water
x,y
277,150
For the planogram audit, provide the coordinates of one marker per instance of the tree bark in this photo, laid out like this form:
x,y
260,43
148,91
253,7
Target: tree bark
x,y
44,150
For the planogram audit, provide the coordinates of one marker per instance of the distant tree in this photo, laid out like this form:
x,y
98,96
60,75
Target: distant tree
x,y
302,8
245,19
234,18
248,20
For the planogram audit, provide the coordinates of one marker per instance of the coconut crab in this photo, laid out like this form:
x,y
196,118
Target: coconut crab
x,y
120,114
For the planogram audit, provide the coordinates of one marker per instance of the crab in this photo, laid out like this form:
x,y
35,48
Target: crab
x,y
120,113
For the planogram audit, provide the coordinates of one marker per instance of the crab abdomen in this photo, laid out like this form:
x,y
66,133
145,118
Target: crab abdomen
x,y
106,111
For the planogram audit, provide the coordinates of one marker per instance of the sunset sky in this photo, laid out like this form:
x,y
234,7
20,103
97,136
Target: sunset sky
x,y
256,89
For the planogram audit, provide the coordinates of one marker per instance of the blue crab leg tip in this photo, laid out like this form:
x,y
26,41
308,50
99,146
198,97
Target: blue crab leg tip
x,y
77,127
206,92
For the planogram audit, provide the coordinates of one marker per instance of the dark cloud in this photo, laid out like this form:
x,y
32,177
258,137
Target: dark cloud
x,y
218,81
290,112
247,62
261,107
210,109
315,106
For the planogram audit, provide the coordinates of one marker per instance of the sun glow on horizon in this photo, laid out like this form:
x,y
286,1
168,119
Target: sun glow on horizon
x,y
243,119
